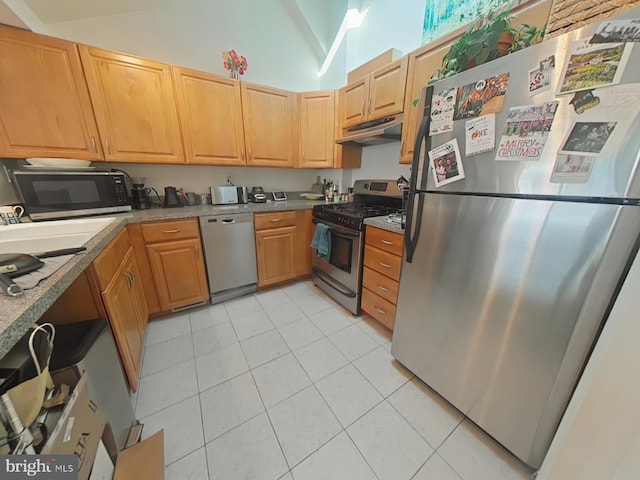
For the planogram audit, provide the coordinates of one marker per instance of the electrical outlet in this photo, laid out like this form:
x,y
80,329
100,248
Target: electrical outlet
x,y
229,180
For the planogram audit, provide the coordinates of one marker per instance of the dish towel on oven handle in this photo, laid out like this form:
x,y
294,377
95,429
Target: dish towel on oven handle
x,y
322,241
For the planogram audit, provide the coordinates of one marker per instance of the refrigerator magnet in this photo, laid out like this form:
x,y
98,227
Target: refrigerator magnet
x,y
572,169
482,97
442,107
588,138
541,78
480,134
446,163
526,131
591,66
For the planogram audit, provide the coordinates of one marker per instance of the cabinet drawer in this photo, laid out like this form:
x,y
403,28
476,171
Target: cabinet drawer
x,y
379,308
106,264
168,231
383,262
380,285
384,240
263,221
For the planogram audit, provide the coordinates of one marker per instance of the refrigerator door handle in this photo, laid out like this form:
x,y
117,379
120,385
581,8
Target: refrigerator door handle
x,y
412,230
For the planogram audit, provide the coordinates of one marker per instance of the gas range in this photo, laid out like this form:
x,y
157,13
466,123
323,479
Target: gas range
x,y
340,276
372,198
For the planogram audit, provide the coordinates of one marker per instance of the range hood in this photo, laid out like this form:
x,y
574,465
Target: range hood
x,y
376,132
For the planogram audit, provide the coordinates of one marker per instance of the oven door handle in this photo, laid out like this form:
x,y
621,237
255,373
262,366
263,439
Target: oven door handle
x,y
339,231
333,283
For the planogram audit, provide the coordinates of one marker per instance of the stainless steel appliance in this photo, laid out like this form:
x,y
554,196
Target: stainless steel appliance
x,y
53,194
510,272
374,132
228,195
257,195
341,276
230,255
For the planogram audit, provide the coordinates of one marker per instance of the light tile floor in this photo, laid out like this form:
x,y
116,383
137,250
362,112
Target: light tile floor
x,y
287,385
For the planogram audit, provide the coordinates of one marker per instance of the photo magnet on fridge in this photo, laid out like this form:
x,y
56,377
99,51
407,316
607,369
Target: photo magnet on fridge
x,y
446,163
481,98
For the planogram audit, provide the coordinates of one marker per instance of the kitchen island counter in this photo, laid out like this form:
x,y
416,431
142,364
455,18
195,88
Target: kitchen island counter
x,y
18,314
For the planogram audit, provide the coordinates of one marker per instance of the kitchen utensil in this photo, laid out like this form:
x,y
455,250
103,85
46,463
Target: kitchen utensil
x,y
317,187
192,198
10,214
257,195
171,198
140,197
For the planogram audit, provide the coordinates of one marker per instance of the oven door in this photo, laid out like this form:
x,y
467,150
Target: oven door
x,y
344,265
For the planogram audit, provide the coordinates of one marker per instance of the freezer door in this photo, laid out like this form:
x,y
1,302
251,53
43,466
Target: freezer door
x,y
502,302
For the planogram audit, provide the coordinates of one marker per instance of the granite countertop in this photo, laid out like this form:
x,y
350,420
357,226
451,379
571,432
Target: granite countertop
x,y
384,224
18,314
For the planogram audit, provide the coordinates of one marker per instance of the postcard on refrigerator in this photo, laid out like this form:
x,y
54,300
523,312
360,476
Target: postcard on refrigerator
x,y
446,163
588,138
613,31
481,98
572,169
541,77
480,134
442,107
591,66
526,131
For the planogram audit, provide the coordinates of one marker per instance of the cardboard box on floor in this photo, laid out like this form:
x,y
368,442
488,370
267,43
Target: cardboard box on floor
x,y
78,431
81,428
142,461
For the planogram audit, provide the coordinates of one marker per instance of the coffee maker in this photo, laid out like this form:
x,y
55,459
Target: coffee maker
x,y
139,194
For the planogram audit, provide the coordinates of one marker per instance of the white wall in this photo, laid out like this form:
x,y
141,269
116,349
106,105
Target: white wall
x,y
386,25
599,436
193,33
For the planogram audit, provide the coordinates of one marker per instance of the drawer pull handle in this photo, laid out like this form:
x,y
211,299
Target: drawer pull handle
x,y
386,242
171,231
276,220
380,287
378,309
384,265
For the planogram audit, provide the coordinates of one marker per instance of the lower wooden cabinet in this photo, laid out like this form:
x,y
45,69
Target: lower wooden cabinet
x,y
172,263
382,263
120,282
275,255
282,246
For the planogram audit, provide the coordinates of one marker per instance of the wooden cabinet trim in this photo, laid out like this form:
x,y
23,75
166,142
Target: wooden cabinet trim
x,y
168,231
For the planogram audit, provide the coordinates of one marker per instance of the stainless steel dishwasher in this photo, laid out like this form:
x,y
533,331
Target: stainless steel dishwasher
x,y
230,255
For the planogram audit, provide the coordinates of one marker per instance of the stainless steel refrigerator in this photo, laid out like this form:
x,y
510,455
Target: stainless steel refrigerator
x,y
510,272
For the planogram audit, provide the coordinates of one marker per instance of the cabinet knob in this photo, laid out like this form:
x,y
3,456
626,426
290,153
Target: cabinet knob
x,y
378,309
93,144
276,220
171,231
106,140
384,265
370,106
386,242
380,287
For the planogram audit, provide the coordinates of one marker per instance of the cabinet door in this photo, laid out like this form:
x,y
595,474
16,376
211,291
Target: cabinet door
x,y
124,318
317,126
178,272
268,116
134,107
386,90
353,102
132,271
304,234
45,109
275,251
422,64
210,114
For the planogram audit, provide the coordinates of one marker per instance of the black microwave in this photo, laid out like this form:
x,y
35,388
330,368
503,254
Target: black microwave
x,y
55,194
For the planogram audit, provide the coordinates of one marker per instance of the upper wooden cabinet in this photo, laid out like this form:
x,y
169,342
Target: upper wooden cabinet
x,y
134,107
45,109
317,129
210,112
422,63
269,126
377,95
